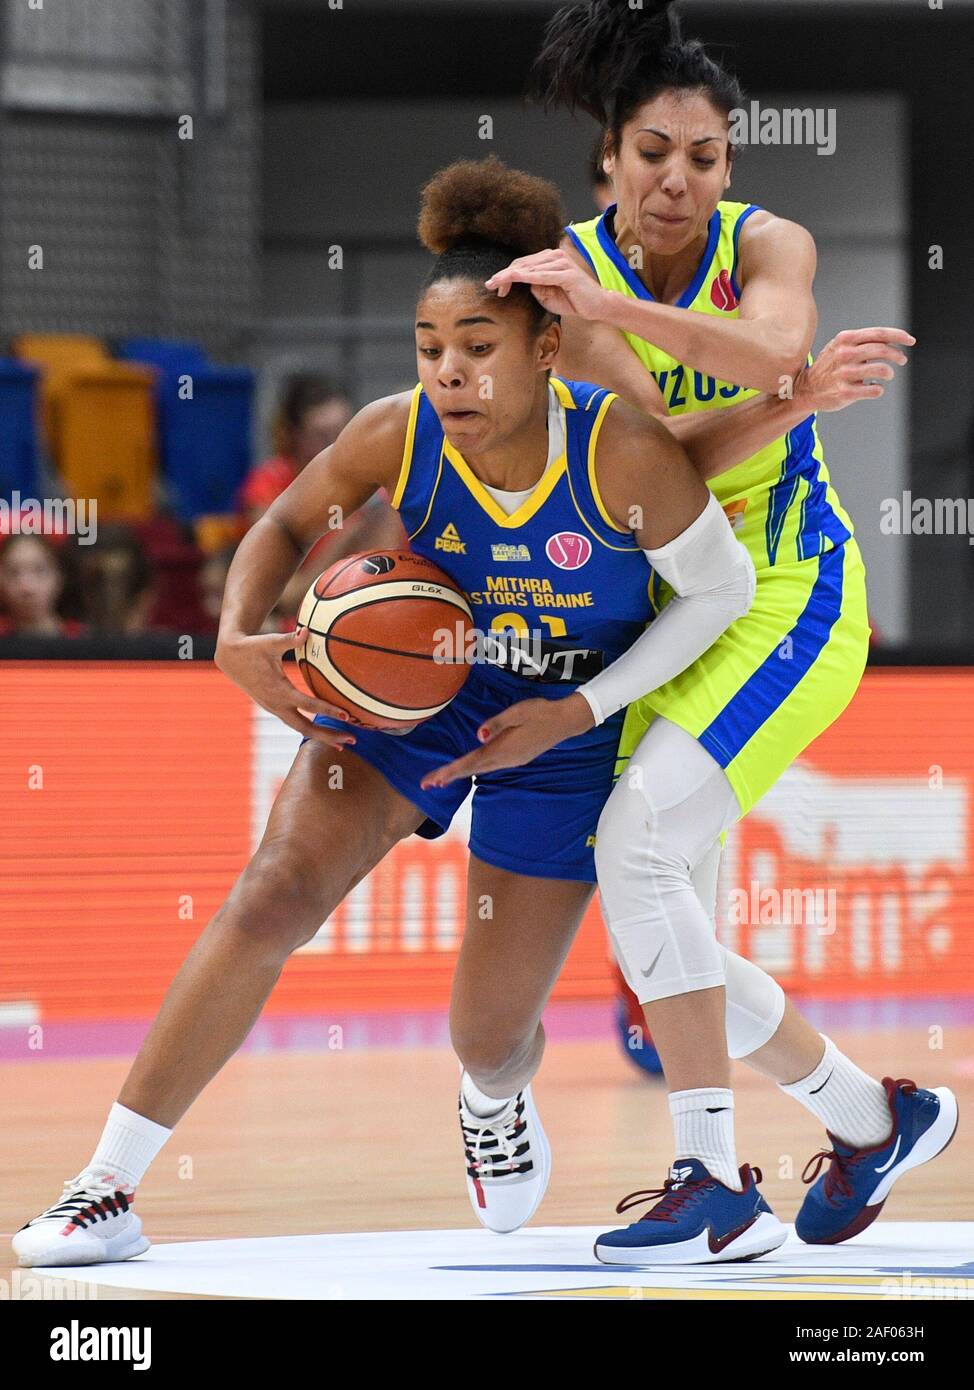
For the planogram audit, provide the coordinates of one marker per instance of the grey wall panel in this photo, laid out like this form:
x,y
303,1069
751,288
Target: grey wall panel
x,y
391,281
867,445
855,203
299,283
210,247
98,55
356,169
86,195
142,232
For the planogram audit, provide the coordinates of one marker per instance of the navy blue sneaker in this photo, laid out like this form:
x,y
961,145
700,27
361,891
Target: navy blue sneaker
x,y
698,1220
850,1195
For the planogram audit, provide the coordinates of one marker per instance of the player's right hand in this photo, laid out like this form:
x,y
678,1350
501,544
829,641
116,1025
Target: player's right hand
x,y
558,283
851,367
254,663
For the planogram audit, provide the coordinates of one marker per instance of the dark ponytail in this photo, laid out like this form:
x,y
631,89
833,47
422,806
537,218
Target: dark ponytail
x,y
607,59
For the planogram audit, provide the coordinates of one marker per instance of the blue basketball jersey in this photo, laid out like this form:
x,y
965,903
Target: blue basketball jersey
x,y
557,579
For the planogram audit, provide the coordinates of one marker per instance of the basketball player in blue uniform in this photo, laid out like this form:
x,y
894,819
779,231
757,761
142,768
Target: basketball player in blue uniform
x,y
547,501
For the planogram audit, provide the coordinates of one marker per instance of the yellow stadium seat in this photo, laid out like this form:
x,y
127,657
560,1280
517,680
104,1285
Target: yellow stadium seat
x,y
107,438
59,356
60,349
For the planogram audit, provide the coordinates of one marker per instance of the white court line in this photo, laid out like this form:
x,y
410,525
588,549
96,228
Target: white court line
x,y
538,1261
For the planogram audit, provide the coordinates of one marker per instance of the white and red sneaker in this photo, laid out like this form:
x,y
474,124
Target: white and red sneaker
x,y
93,1223
508,1162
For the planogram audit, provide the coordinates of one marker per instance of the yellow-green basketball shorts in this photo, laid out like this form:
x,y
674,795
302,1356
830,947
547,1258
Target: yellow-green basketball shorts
x,y
776,678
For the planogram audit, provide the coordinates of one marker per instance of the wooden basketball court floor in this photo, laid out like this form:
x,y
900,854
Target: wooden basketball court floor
x,y
312,1173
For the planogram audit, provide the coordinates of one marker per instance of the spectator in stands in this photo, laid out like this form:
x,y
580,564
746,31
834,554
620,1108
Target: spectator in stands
x,y
311,415
117,582
34,573
212,581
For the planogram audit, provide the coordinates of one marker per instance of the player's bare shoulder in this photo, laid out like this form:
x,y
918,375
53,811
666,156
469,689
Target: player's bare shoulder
x,y
637,456
367,455
765,237
376,435
631,437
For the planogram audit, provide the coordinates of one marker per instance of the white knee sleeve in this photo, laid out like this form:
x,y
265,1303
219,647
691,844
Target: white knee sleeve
x,y
704,877
755,1004
657,856
661,821
755,1001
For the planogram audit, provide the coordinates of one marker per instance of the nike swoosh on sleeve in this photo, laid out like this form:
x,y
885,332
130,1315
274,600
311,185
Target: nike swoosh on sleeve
x,y
649,972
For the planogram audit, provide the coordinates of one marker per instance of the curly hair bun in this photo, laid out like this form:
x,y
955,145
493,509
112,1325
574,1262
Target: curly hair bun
x,y
484,202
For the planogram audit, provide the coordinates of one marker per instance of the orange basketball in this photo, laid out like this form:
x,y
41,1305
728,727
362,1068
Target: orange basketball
x,y
387,634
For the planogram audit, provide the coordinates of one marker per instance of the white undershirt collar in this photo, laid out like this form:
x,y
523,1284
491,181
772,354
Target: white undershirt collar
x,y
510,501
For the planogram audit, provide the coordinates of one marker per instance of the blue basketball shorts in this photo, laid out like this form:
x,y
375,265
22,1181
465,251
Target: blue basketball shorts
x,y
538,820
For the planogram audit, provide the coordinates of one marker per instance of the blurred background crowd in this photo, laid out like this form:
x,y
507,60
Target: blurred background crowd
x,y
165,573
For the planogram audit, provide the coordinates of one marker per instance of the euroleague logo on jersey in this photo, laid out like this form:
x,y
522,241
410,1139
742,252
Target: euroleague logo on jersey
x,y
722,294
568,550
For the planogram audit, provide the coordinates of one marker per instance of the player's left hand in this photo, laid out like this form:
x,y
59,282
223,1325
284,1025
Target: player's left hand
x,y
517,736
852,367
558,283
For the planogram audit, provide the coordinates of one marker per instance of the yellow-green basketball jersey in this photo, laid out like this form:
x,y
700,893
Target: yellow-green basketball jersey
x,y
782,673
780,500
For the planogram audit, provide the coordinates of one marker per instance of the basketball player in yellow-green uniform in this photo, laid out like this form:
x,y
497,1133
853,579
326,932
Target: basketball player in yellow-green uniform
x,y
685,304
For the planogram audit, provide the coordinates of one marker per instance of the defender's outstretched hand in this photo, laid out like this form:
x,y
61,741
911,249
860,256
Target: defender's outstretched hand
x,y
558,283
851,367
517,736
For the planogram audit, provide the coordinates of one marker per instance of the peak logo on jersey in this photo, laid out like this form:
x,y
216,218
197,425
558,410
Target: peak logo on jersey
x,y
722,294
510,552
568,550
449,540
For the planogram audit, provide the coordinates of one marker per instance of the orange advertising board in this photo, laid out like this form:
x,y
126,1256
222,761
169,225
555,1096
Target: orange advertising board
x,y
133,794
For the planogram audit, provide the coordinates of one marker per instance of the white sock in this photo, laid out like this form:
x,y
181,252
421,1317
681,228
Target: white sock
x,y
479,1104
851,1104
128,1144
703,1125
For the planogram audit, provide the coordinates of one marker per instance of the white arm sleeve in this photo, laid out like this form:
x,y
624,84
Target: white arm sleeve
x,y
713,578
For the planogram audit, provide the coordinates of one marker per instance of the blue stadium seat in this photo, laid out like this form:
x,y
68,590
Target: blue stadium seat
x,y
164,353
204,424
18,438
206,439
